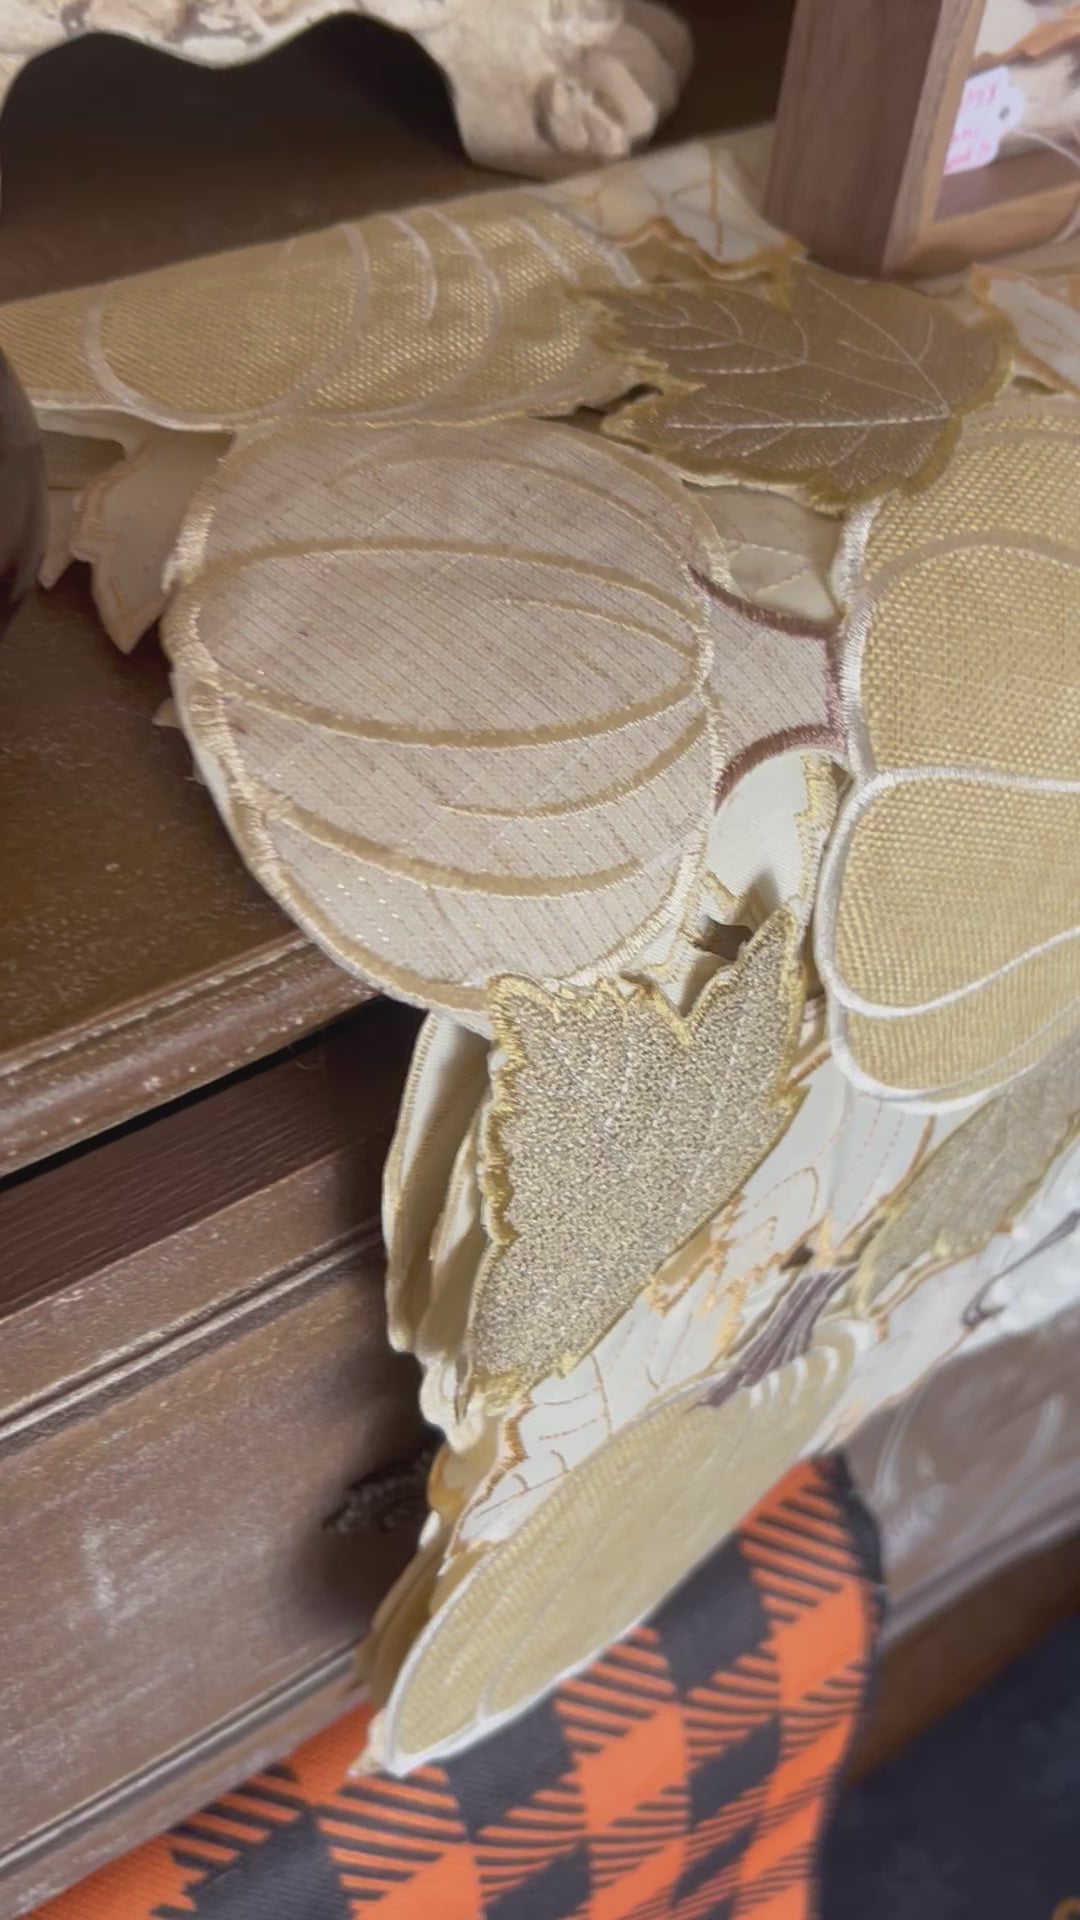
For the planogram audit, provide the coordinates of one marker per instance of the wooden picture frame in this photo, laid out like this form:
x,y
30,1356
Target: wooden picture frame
x,y
868,107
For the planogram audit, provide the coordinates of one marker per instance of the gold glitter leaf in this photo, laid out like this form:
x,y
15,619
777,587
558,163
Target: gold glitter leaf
x,y
616,1128
979,1178
845,387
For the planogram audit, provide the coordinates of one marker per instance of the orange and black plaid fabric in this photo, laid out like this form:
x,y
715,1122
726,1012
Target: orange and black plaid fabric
x,y
685,1776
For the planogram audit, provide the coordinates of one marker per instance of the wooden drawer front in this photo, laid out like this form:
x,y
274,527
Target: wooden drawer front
x,y
172,1609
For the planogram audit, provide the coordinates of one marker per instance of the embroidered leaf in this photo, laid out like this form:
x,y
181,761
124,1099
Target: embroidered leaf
x,y
1045,311
616,1128
768,839
778,552
708,192
446,685
446,1079
71,464
828,1176
611,1542
847,387
126,523
660,253
974,1184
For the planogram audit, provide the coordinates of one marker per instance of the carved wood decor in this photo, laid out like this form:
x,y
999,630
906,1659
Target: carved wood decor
x,y
539,87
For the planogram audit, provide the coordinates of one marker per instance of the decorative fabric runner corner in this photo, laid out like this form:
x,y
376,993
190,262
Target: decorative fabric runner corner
x,y
659,659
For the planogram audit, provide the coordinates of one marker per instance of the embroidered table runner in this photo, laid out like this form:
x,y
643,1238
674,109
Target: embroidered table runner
x,y
658,658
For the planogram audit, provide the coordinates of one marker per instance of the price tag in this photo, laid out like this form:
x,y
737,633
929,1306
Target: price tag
x,y
991,106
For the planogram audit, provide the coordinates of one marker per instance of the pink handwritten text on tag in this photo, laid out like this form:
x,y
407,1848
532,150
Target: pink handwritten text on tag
x,y
991,105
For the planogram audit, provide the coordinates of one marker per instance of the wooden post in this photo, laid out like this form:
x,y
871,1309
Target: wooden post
x,y
870,95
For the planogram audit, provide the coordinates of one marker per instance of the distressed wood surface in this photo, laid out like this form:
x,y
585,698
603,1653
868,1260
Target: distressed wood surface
x,y
193,1370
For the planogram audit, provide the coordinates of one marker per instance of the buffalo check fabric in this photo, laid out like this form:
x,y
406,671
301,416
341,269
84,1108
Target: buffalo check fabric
x,y
685,1775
